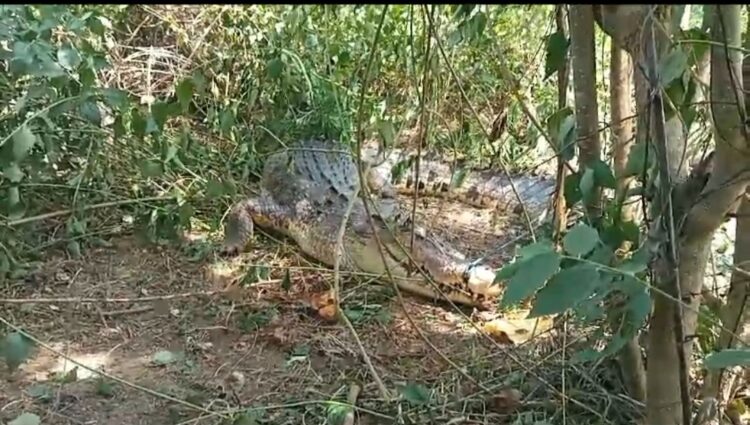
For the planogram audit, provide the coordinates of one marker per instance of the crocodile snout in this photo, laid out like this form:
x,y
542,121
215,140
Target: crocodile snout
x,y
481,281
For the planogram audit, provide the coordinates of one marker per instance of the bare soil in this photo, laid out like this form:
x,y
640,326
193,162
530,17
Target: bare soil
x,y
219,336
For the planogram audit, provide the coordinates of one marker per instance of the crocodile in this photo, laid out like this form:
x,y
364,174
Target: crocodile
x,y
481,188
305,193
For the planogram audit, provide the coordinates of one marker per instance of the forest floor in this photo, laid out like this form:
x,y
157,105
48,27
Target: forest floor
x,y
227,335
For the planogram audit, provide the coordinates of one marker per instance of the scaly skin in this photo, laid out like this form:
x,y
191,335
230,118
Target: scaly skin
x,y
304,195
478,188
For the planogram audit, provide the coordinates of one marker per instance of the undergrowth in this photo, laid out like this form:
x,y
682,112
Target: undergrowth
x,y
164,114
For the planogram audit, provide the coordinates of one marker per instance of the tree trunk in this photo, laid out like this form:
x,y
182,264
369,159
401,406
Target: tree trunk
x,y
735,314
623,133
584,84
666,390
666,405
561,211
623,128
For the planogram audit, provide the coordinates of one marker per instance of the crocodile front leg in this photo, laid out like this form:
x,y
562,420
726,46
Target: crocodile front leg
x,y
239,226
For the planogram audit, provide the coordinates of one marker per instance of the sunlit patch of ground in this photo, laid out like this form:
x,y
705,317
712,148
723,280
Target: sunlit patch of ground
x,y
221,334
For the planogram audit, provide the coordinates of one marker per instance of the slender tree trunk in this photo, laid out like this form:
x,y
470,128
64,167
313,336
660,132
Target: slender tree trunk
x,y
584,84
735,314
666,374
623,128
561,210
623,134
699,219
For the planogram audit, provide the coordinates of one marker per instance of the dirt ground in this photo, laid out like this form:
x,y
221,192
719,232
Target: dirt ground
x,y
186,337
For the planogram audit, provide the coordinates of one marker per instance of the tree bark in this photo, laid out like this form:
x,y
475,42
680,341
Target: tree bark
x,y
584,84
561,210
623,128
623,134
725,185
699,219
735,314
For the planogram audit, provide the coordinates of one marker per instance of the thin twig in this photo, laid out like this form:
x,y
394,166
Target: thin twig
x,y
354,197
117,300
47,216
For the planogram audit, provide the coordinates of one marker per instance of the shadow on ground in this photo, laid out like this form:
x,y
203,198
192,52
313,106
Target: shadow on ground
x,y
261,346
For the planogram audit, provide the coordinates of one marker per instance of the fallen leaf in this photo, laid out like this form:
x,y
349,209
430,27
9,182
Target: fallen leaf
x,y
328,312
323,299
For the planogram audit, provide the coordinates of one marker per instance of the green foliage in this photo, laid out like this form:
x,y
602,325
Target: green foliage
x,y
26,419
415,394
672,66
557,51
728,358
98,128
15,348
580,240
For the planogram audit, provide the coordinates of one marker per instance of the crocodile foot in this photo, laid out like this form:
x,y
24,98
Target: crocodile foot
x,y
230,250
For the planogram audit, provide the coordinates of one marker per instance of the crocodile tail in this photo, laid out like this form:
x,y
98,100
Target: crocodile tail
x,y
479,188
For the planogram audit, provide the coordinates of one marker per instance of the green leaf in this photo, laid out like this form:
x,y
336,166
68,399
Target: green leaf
x,y
165,357
580,240
587,183
387,132
68,58
531,275
116,99
41,392
638,307
249,418
26,419
104,388
286,282
603,174
534,249
15,348
572,189
728,358
74,249
226,121
214,188
637,263
507,272
23,140
160,113
637,160
151,168
275,67
476,25
557,50
186,211
151,126
90,111
88,77
672,66
459,177
184,92
118,127
13,173
565,290
415,394
137,123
